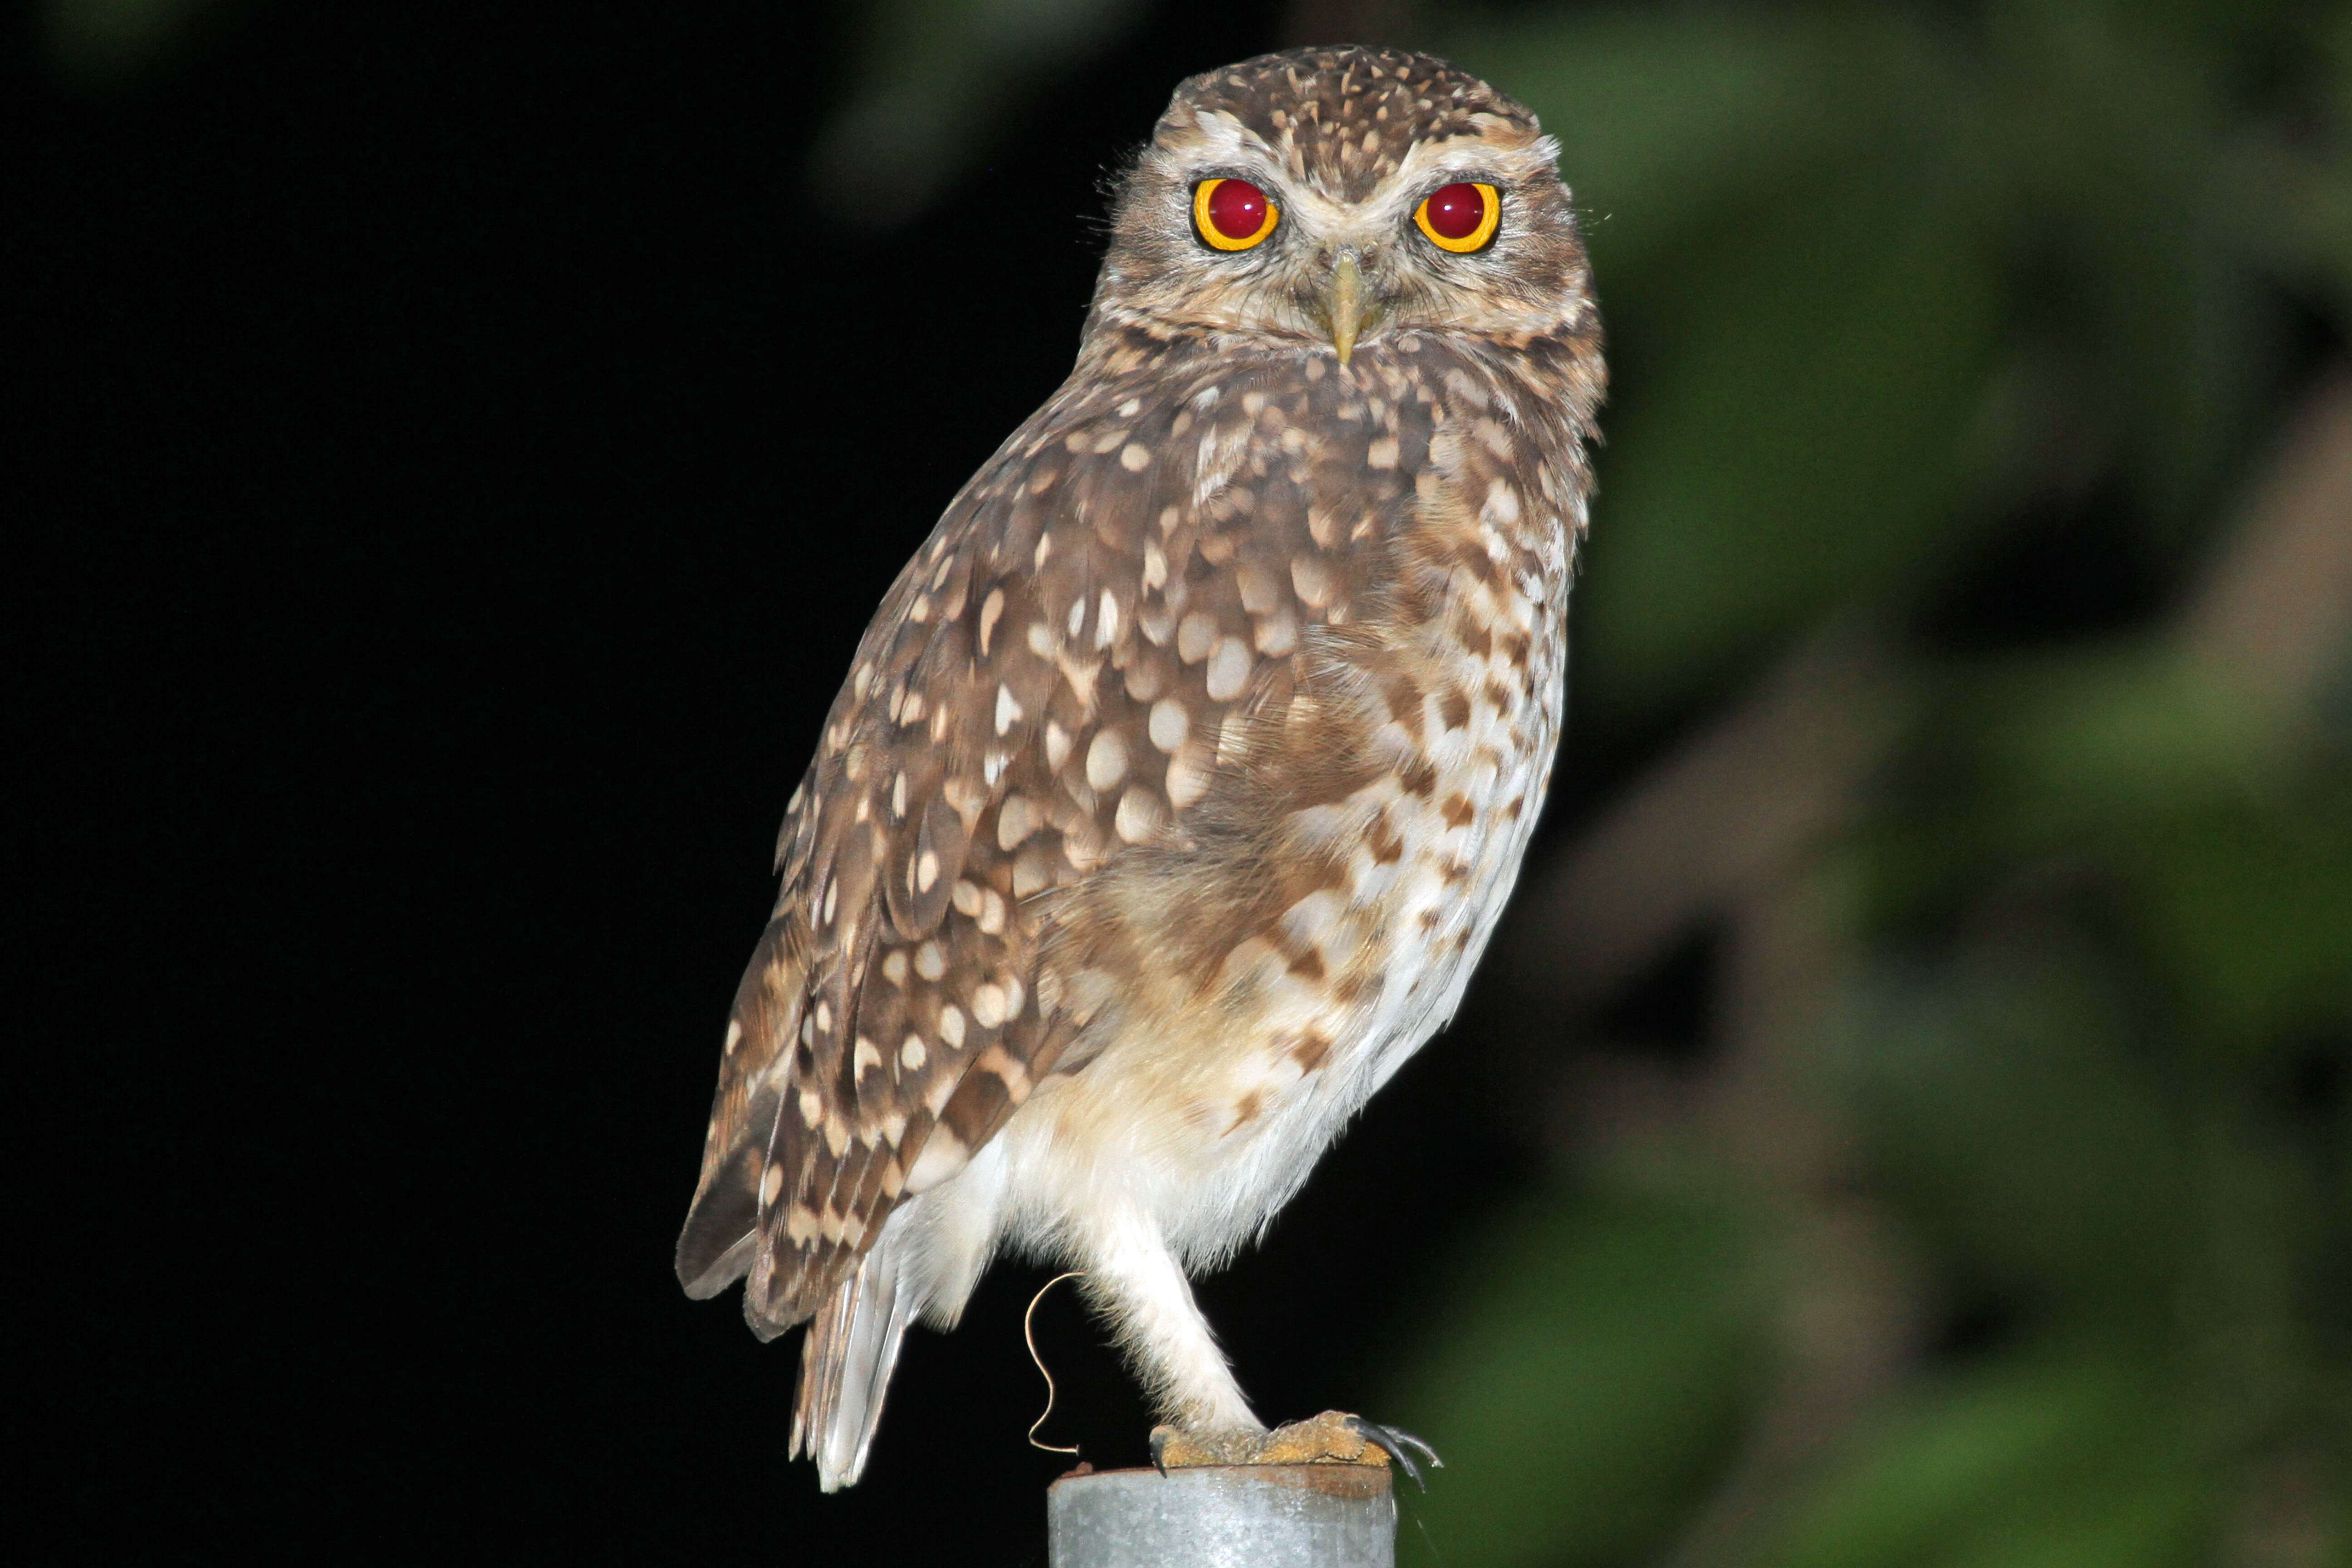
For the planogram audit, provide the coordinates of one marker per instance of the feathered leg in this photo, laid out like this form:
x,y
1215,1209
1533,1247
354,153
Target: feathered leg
x,y
1131,1272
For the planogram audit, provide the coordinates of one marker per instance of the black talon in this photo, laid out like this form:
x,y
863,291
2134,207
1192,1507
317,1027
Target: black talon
x,y
1394,1441
1158,1446
1429,1453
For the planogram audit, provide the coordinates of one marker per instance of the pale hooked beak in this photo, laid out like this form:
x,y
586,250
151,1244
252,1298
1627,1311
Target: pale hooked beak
x,y
1343,304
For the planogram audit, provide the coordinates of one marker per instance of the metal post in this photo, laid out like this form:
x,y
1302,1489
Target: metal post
x,y
1224,1516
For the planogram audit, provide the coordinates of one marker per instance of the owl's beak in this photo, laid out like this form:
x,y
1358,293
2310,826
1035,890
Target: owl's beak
x,y
1343,304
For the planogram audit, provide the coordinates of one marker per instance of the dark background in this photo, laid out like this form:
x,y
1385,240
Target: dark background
x,y
467,455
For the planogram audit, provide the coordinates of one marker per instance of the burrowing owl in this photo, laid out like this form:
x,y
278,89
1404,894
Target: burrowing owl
x,y
1182,777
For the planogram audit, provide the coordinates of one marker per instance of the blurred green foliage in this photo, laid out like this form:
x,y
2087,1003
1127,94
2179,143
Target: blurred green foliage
x,y
1957,251
1599,1376
2065,1462
1891,289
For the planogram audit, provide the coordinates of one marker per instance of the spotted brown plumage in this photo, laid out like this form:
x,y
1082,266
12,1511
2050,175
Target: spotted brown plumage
x,y
1182,776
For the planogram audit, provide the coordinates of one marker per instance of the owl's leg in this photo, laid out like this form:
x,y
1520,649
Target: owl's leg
x,y
1132,1273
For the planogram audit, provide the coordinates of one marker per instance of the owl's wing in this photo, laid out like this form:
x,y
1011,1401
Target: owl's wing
x,y
1056,680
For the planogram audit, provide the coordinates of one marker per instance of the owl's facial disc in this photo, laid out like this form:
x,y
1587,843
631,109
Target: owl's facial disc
x,y
1466,238
1302,202
1360,266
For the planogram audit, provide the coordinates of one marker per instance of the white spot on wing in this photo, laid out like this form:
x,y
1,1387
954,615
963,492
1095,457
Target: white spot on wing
x,y
1105,760
1170,724
1229,670
943,1155
1138,815
1016,819
990,609
1196,634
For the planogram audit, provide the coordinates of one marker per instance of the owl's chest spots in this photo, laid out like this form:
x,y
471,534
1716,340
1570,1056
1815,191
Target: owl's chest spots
x,y
1244,983
1210,1113
1323,1002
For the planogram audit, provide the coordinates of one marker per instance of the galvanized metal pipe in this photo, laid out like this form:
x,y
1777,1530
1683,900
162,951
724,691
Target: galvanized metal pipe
x,y
1224,1516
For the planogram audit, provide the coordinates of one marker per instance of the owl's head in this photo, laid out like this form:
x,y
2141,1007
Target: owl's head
x,y
1340,195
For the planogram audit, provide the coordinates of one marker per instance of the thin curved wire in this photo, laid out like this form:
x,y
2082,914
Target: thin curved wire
x,y
1029,1334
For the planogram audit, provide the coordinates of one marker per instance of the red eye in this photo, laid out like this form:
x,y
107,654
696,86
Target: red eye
x,y
1236,209
1459,217
1232,214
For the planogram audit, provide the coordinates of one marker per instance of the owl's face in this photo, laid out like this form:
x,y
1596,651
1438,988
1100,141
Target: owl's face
x,y
1341,195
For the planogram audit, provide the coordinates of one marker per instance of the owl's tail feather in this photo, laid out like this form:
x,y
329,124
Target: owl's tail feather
x,y
847,1358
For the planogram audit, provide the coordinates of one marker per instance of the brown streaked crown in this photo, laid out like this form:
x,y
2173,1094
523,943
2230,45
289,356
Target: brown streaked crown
x,y
1348,116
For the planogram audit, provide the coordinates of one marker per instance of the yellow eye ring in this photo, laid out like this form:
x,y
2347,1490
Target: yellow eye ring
x,y
1232,214
1459,217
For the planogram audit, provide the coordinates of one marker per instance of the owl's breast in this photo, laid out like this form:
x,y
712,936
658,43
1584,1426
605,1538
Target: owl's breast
x,y
1486,661
1316,920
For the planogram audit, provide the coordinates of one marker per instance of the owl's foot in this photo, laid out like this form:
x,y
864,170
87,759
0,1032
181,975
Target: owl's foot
x,y
1333,1437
